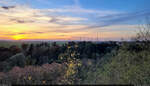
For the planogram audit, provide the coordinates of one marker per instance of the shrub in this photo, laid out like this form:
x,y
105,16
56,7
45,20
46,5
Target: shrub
x,y
35,75
126,67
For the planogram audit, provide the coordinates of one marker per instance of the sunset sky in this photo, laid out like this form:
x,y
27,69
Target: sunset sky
x,y
71,19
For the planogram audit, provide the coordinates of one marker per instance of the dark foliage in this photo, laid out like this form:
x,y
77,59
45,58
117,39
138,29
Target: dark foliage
x,y
84,62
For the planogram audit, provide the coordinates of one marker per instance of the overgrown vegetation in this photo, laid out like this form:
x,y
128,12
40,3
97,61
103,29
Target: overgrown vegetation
x,y
77,63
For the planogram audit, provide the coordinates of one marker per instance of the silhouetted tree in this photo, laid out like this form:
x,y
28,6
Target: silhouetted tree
x,y
15,49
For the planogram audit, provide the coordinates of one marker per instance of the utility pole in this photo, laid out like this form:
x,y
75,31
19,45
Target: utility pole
x,y
80,38
97,37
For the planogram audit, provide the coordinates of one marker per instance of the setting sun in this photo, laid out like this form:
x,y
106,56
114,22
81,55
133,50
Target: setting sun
x,y
71,22
18,37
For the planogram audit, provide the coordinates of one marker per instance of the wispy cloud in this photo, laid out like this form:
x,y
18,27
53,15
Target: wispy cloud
x,y
8,7
35,15
122,18
68,21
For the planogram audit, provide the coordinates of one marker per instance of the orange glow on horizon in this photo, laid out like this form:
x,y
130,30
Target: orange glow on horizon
x,y
18,37
26,32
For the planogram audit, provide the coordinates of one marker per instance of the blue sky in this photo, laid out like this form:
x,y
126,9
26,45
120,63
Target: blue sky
x,y
118,5
112,18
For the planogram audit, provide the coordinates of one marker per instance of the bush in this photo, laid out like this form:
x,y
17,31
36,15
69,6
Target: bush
x,y
16,60
35,75
126,67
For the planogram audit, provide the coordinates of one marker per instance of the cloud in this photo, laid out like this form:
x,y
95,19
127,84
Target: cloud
x,y
79,10
32,32
30,15
68,21
7,7
120,18
21,21
8,2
